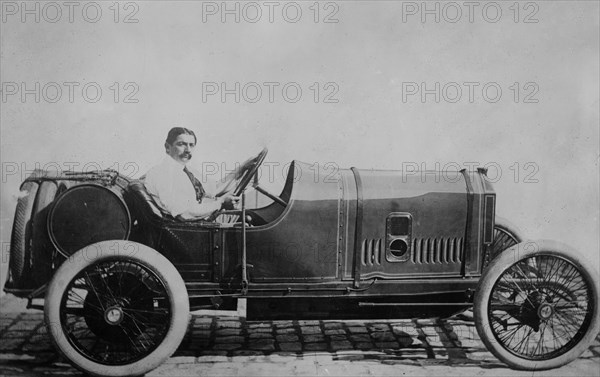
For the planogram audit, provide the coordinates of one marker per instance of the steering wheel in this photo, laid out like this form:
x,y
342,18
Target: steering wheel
x,y
241,176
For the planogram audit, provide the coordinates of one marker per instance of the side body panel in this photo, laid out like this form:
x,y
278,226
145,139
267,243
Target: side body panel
x,y
302,244
434,211
314,239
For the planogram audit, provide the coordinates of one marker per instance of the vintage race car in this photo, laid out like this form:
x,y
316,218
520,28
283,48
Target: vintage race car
x,y
119,276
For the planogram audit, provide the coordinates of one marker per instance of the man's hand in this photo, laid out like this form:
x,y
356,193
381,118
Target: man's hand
x,y
230,202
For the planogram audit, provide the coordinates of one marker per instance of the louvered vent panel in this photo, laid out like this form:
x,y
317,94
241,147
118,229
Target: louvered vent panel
x,y
437,250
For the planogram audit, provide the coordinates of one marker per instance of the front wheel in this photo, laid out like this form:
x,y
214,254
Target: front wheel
x,y
536,307
117,308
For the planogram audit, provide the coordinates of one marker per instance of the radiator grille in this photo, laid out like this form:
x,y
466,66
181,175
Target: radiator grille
x,y
436,250
371,252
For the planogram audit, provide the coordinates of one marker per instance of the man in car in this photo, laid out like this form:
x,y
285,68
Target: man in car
x,y
176,188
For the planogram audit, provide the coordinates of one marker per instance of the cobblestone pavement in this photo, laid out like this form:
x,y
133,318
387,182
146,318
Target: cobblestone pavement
x,y
236,347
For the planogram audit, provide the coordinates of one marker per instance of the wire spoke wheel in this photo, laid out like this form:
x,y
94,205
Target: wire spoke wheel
x,y
116,312
502,241
540,307
540,311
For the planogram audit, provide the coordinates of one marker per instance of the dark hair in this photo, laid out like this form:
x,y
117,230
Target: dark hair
x,y
176,131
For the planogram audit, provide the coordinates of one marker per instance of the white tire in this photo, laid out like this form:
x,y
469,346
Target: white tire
x,y
117,308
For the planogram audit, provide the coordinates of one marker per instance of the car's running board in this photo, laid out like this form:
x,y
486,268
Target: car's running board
x,y
239,312
415,304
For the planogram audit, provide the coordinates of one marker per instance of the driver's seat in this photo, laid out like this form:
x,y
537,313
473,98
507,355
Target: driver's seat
x,y
145,203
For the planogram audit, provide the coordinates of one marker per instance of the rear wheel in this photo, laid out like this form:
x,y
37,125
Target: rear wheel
x,y
537,306
117,308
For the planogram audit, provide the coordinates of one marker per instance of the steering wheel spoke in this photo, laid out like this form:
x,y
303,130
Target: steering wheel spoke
x,y
237,181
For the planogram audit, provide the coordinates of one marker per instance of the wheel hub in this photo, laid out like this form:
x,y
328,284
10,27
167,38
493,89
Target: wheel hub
x,y
545,311
113,315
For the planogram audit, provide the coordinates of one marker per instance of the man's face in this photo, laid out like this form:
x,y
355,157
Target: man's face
x,y
181,149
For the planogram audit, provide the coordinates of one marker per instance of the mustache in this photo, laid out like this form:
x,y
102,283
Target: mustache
x,y
186,154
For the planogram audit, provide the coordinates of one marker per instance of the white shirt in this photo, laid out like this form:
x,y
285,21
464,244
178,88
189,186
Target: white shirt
x,y
172,189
